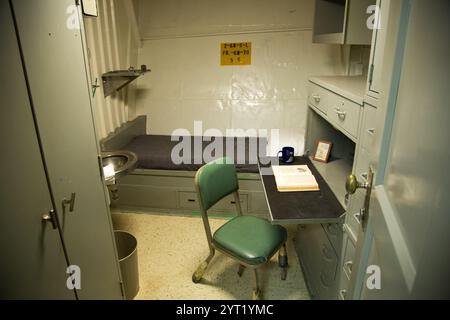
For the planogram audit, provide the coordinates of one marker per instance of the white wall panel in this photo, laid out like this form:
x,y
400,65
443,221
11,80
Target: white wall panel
x,y
111,46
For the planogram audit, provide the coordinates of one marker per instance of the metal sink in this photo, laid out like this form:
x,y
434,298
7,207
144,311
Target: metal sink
x,y
118,164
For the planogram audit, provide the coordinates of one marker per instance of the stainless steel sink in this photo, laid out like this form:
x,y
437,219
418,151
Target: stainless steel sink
x,y
118,164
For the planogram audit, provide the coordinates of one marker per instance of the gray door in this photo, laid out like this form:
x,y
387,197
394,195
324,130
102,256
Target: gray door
x,y
32,262
55,63
409,211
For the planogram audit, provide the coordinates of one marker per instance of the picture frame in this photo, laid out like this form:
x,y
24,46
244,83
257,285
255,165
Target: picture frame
x,y
323,151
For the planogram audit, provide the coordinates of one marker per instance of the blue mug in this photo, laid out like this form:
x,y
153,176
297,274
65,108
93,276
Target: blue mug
x,y
287,155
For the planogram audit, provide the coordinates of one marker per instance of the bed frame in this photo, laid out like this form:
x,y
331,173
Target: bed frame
x,y
173,191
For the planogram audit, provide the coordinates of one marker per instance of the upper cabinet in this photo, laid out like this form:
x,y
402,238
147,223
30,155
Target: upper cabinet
x,y
377,50
343,21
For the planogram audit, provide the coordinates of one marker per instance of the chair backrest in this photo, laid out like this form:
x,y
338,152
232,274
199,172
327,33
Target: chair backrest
x,y
215,181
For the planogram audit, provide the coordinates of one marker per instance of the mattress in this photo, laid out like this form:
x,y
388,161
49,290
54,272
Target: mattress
x,y
160,152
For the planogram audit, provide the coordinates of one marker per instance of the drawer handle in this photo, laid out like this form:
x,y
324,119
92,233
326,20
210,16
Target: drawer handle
x,y
349,265
326,254
371,131
357,217
323,279
191,200
341,114
343,294
316,98
332,229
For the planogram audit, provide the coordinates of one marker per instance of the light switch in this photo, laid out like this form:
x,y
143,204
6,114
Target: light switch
x,y
90,7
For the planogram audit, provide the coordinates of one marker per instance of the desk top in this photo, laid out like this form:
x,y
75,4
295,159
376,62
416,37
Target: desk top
x,y
300,207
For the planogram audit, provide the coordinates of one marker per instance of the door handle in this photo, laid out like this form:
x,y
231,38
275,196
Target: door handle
x,y
50,217
70,202
352,184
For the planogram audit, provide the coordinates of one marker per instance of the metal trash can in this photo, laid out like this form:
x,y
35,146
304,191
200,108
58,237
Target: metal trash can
x,y
128,259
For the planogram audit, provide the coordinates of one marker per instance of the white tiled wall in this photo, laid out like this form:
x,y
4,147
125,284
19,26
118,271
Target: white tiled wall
x,y
187,83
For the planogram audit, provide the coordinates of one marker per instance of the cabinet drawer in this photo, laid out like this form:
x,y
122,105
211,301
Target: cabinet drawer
x,y
368,131
345,114
362,164
351,219
334,233
343,287
188,200
319,259
349,256
319,97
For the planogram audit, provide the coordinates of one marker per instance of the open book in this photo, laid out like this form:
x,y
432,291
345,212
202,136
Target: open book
x,y
294,178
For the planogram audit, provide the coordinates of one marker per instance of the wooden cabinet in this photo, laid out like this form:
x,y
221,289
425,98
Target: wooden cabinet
x,y
342,22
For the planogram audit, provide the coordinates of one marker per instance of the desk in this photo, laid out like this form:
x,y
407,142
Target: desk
x,y
314,207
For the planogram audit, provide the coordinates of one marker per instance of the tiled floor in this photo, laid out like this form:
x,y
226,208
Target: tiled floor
x,y
170,249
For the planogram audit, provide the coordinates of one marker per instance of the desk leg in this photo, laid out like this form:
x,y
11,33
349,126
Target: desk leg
x,y
283,261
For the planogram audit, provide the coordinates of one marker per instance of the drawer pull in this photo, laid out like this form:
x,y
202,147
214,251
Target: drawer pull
x,y
191,200
357,217
324,281
341,114
371,131
316,98
332,229
326,253
348,265
343,294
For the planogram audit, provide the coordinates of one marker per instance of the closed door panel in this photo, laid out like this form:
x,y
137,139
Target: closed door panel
x,y
409,214
55,63
32,263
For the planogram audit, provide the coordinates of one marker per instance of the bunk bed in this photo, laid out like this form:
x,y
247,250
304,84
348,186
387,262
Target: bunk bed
x,y
160,185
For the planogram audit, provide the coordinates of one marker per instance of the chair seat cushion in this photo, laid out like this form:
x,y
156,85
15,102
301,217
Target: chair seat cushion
x,y
250,239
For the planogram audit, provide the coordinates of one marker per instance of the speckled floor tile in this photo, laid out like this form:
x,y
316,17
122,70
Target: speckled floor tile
x,y
170,248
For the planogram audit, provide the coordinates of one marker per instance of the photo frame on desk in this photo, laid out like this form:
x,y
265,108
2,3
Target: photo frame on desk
x,y
323,151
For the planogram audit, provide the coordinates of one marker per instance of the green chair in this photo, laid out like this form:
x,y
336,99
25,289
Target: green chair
x,y
249,240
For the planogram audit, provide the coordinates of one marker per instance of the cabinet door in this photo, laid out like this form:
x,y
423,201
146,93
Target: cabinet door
x,y
32,263
378,41
54,61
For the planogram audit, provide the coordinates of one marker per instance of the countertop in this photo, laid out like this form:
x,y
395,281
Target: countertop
x,y
350,87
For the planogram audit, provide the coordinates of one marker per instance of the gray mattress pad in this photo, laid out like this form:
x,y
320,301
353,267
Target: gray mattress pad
x,y
155,152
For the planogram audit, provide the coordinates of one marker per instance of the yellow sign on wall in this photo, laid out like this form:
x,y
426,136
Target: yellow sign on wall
x,y
236,54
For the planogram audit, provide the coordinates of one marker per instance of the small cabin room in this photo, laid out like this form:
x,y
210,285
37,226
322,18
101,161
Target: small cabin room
x,y
225,150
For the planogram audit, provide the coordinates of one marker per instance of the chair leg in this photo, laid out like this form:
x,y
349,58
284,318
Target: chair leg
x,y
257,294
241,270
198,274
283,261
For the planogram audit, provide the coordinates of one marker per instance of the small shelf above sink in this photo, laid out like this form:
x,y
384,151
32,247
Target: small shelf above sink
x,y
115,80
